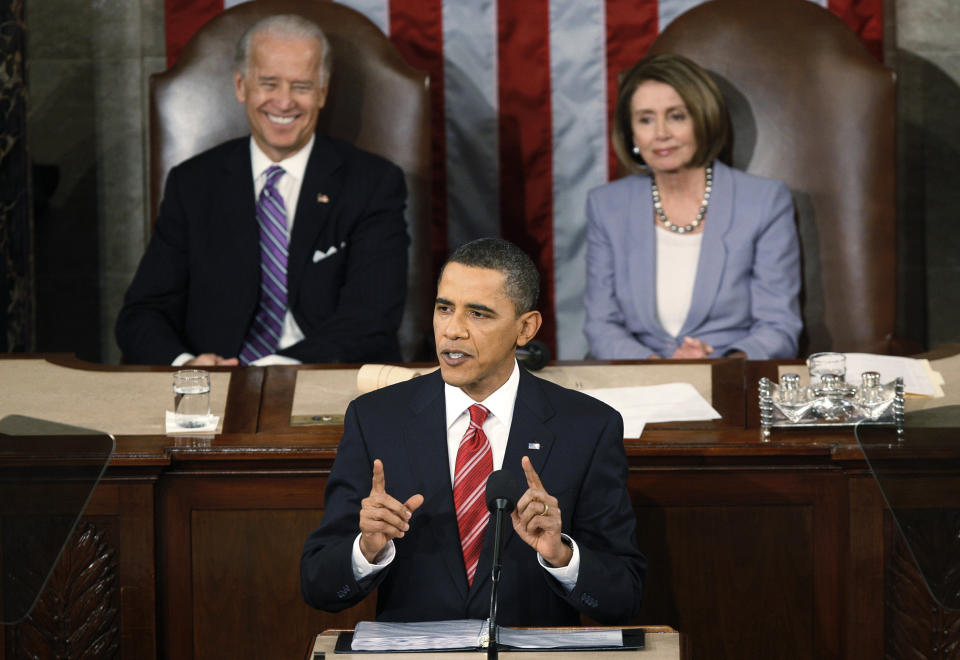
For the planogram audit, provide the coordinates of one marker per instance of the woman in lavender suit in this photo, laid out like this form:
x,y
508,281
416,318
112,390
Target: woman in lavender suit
x,y
687,257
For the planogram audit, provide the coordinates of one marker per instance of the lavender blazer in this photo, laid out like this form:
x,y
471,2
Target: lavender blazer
x,y
747,287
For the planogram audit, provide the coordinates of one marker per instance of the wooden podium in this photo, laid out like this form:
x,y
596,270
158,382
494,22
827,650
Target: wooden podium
x,y
662,643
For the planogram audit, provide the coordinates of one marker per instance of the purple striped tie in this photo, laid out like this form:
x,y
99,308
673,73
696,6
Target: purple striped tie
x,y
264,333
474,464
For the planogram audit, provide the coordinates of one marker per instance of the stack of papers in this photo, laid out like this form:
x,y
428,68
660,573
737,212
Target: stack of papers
x,y
673,402
425,635
540,638
471,634
918,377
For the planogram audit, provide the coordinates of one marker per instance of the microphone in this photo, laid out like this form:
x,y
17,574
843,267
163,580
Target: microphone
x,y
502,491
502,495
534,355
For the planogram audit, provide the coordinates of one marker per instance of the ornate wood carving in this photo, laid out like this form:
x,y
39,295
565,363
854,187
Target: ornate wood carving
x,y
16,276
917,626
77,615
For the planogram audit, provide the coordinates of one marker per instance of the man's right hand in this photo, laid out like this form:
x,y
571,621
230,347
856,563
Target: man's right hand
x,y
211,360
383,518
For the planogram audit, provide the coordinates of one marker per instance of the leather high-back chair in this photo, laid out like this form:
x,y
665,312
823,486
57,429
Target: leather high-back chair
x,y
376,101
812,108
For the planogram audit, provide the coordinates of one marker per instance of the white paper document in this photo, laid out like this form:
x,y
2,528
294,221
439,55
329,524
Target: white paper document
x,y
422,636
918,377
473,634
673,402
540,638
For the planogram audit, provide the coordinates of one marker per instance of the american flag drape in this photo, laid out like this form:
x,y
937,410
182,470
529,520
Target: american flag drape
x,y
522,91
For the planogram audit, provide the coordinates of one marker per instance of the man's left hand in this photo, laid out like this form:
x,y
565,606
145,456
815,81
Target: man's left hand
x,y
537,520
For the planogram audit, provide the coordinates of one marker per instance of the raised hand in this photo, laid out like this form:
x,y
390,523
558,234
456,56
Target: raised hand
x,y
537,520
383,518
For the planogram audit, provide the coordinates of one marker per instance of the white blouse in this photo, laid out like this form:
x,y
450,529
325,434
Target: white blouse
x,y
677,258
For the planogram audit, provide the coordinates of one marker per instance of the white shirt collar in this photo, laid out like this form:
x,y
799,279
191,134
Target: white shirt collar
x,y
500,403
295,165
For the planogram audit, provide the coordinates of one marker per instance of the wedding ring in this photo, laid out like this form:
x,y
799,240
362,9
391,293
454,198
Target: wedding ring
x,y
546,510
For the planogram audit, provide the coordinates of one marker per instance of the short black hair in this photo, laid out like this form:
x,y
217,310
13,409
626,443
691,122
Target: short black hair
x,y
523,280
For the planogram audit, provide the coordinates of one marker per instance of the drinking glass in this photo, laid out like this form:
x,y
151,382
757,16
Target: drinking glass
x,y
822,364
191,398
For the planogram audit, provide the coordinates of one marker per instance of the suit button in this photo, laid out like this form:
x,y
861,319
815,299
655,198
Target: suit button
x,y
344,591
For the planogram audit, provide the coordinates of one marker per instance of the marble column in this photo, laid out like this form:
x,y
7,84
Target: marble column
x,y
89,66
927,62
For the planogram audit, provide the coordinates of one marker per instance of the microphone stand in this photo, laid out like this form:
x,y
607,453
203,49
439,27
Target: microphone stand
x,y
501,504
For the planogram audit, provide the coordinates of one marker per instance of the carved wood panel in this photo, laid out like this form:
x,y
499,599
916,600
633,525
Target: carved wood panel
x,y
77,614
916,625
16,277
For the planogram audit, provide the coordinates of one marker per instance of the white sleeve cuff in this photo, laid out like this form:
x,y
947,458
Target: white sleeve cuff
x,y
274,359
565,575
182,359
362,568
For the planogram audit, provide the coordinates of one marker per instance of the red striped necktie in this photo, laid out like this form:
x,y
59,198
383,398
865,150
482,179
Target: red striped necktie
x,y
474,465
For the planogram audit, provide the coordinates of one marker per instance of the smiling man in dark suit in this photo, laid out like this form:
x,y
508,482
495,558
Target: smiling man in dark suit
x,y
399,505
284,247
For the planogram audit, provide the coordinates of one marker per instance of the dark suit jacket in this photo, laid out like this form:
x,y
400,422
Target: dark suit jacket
x,y
581,462
198,285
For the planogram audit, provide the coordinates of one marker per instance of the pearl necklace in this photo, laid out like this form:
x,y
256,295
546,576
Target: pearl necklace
x,y
662,217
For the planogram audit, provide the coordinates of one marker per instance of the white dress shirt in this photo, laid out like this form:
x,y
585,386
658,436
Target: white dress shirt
x,y
288,186
497,429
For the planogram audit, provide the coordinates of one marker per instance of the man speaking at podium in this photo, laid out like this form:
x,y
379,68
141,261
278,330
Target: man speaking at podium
x,y
404,505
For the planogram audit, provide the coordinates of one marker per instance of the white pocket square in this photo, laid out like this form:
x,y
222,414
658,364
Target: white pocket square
x,y
319,255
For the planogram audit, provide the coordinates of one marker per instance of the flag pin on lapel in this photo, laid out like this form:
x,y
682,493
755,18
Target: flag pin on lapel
x,y
322,199
533,445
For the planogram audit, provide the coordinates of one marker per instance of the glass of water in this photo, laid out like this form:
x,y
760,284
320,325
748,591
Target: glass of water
x,y
824,364
191,398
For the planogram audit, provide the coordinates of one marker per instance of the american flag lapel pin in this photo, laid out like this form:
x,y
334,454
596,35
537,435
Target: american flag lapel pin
x,y
533,445
322,199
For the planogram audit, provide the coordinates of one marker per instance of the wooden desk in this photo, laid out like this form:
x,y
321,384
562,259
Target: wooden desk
x,y
756,550
662,643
